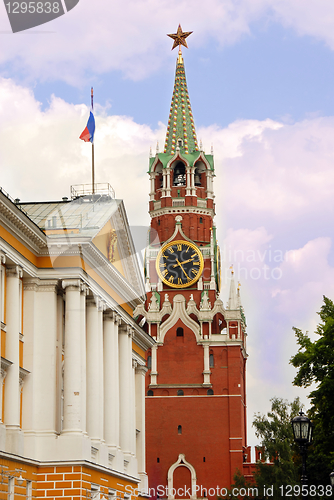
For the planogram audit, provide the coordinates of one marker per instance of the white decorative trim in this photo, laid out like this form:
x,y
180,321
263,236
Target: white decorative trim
x,y
181,462
14,272
5,364
179,312
75,283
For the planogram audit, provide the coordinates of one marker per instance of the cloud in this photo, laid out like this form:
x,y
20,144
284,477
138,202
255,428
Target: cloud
x,y
274,206
42,156
127,36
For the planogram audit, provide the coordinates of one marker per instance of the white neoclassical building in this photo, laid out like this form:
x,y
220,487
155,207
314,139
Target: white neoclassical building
x,y
72,358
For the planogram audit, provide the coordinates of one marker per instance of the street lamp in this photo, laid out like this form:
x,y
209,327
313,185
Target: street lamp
x,y
331,477
302,432
9,474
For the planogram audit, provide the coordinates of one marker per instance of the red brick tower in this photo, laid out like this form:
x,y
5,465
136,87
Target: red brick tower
x,y
195,384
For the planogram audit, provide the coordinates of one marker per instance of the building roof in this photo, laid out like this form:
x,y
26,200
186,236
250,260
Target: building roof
x,y
85,215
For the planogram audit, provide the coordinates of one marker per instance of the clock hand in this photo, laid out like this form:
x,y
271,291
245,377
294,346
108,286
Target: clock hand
x,y
183,269
184,262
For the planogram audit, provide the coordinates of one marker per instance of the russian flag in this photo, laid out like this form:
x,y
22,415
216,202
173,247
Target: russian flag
x,y
88,134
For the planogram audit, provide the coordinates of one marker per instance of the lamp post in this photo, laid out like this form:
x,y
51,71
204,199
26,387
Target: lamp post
x,y
302,433
331,477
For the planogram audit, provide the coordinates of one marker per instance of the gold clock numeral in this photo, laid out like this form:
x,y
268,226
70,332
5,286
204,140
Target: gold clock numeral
x,y
179,248
164,256
179,281
164,273
188,279
170,250
163,264
171,279
195,272
194,263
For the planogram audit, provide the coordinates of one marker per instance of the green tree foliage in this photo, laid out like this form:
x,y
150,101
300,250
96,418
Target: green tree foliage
x,y
241,484
315,363
275,432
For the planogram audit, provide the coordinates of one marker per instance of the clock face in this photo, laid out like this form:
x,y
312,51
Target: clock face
x,y
179,264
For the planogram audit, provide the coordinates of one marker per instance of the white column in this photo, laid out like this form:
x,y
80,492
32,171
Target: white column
x,y
168,188
188,183
154,373
72,358
125,389
93,370
59,362
100,309
206,371
193,187
133,405
140,425
12,388
152,192
40,355
2,291
111,379
83,295
164,183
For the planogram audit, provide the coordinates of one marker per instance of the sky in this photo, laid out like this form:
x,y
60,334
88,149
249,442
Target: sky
x,y
260,76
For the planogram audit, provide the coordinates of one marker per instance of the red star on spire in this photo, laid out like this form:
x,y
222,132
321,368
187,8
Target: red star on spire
x,y
180,37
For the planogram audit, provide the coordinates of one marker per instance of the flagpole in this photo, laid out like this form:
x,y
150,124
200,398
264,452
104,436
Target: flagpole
x,y
93,167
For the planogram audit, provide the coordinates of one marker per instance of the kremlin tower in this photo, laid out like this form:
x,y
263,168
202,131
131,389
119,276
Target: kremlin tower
x,y
195,383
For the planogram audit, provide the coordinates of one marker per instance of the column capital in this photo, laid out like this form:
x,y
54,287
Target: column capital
x,y
84,289
72,284
117,318
14,271
93,300
124,328
109,314
141,369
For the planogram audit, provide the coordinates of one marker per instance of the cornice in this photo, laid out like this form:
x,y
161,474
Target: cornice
x,y
177,210
20,224
127,250
111,276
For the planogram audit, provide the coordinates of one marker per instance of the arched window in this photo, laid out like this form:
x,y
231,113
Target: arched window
x,y
210,392
201,220
179,332
180,392
179,429
211,360
179,174
150,392
149,362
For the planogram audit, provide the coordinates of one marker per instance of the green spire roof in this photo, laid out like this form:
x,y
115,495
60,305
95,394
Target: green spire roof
x,y
180,123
